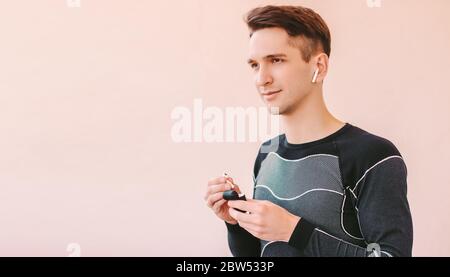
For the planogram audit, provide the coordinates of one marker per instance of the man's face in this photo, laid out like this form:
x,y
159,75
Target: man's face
x,y
282,77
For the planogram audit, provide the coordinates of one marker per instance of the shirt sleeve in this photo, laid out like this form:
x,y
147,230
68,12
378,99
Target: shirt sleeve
x,y
241,242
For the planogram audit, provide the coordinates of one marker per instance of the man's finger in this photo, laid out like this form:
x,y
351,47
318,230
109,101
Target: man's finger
x,y
233,213
216,207
251,206
249,227
213,198
240,216
217,188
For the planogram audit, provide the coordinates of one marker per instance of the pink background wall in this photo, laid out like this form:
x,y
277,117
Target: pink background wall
x,y
86,96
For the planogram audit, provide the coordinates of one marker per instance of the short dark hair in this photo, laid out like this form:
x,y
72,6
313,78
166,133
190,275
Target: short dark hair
x,y
297,22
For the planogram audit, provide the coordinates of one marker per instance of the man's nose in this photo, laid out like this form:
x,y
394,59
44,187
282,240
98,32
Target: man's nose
x,y
263,77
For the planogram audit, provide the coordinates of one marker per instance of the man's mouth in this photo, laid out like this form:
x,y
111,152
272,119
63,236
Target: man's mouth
x,y
270,92
270,95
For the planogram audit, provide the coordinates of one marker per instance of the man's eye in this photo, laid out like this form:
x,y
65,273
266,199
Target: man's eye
x,y
275,60
254,65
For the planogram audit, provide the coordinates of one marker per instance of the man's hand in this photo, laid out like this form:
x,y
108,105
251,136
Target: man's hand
x,y
264,220
214,197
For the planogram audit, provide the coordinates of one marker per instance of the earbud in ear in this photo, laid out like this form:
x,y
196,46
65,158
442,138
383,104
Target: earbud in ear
x,y
315,76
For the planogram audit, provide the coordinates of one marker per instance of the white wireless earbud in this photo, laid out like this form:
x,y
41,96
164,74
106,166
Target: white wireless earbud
x,y
315,76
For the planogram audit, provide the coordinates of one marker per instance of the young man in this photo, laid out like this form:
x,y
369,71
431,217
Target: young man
x,y
328,188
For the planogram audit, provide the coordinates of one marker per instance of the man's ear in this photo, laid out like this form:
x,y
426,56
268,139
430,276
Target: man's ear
x,y
321,67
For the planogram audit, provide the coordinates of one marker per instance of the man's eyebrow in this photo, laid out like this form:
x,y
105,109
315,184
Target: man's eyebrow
x,y
268,57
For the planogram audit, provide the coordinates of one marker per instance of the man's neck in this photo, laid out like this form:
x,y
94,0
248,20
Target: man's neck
x,y
310,121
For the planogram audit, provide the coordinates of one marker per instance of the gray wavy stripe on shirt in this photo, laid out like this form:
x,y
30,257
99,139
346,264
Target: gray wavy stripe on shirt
x,y
290,179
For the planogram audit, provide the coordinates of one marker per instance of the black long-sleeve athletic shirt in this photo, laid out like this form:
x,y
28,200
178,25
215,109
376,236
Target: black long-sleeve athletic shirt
x,y
349,189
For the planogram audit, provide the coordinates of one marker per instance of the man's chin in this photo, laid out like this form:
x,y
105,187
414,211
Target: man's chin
x,y
274,110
